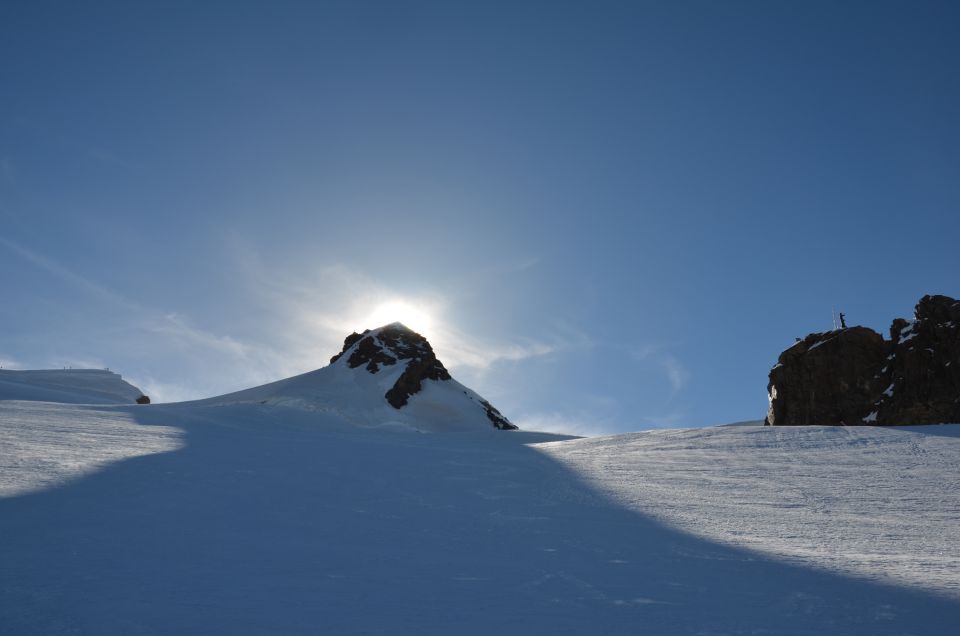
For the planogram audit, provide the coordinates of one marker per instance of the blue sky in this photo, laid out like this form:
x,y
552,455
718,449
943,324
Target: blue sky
x,y
605,216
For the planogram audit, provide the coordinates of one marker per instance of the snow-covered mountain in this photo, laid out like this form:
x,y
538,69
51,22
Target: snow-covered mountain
x,y
383,377
74,386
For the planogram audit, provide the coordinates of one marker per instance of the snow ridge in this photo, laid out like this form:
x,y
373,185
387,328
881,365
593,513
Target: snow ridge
x,y
71,386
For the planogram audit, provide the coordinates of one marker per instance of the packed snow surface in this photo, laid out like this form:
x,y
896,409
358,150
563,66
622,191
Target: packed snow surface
x,y
44,444
272,516
882,503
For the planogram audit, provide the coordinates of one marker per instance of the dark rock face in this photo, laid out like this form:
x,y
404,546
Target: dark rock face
x,y
395,344
348,342
143,399
370,353
411,381
854,376
821,379
923,374
497,418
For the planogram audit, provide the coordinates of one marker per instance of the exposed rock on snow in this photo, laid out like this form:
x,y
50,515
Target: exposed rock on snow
x,y
854,376
496,417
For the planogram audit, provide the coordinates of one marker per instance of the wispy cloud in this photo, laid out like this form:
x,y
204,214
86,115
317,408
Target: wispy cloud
x,y
674,371
173,325
677,374
69,276
239,362
460,349
301,316
177,328
164,391
331,302
582,424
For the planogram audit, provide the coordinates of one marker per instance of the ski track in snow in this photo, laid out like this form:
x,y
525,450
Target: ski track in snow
x,y
878,502
264,519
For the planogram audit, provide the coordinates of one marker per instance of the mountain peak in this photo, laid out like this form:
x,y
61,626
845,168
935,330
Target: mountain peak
x,y
396,345
386,346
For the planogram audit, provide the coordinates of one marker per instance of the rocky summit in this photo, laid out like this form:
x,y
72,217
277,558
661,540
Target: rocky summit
x,y
855,376
398,344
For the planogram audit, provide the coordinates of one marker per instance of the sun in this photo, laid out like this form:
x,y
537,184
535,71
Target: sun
x,y
400,311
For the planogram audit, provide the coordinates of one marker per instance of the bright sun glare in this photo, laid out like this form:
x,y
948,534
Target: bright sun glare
x,y
399,311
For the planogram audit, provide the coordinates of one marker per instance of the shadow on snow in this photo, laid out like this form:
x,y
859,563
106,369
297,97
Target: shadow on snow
x,y
274,524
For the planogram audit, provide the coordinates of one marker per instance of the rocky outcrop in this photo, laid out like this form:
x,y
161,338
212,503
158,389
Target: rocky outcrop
x,y
854,376
411,380
924,367
822,379
398,344
143,399
371,354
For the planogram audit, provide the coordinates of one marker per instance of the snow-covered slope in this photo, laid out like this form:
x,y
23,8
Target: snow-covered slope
x,y
879,503
247,518
43,444
74,386
358,380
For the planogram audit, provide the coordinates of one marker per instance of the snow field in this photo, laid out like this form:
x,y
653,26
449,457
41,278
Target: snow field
x,y
264,519
43,444
881,503
309,506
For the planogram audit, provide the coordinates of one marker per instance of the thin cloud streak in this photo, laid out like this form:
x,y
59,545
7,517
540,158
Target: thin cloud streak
x,y
580,424
239,363
675,372
458,349
175,326
161,391
69,276
171,324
